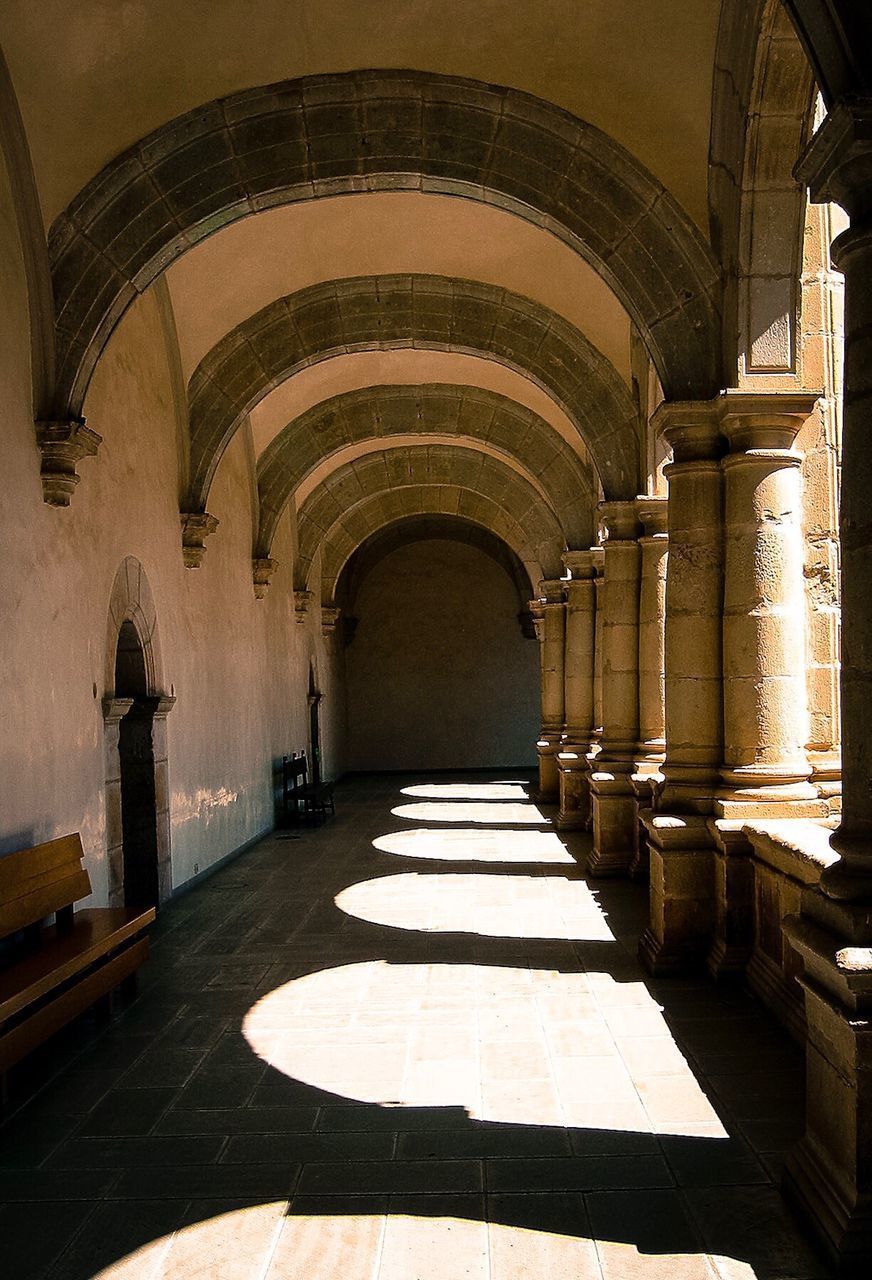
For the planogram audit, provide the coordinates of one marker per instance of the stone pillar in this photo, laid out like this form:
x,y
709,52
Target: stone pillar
x,y
652,678
830,1172
612,799
766,772
549,615
572,759
765,701
679,842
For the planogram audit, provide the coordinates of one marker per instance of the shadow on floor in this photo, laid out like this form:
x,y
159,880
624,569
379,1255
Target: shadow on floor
x,y
593,1122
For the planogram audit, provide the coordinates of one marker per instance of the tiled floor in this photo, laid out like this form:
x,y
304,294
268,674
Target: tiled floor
x,y
413,1043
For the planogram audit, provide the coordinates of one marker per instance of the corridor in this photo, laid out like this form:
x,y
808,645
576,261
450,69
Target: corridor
x,y
412,1043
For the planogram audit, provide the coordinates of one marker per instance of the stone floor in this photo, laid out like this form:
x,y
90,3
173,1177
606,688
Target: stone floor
x,y
410,1043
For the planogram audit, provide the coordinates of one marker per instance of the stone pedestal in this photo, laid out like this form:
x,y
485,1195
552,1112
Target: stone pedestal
x,y
580,654
612,797
681,848
549,618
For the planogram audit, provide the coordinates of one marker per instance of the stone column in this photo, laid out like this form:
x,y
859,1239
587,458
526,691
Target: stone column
x,y
830,1172
765,701
766,772
680,845
652,670
549,614
612,799
572,759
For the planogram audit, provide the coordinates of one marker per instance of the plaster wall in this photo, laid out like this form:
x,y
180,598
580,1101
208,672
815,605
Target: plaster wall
x,y
237,667
439,675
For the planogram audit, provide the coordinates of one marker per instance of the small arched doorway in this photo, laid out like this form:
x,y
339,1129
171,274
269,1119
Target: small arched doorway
x,y
137,774
135,711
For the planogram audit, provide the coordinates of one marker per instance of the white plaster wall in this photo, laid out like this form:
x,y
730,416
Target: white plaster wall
x,y
237,666
439,675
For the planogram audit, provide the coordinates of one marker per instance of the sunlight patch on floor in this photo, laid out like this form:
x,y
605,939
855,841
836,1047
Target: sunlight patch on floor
x,y
467,790
499,813
260,1240
510,1045
476,845
494,907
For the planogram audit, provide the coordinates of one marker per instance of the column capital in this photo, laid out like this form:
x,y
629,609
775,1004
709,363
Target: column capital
x,y
550,592
768,420
837,163
579,564
621,520
329,619
691,428
302,601
262,570
63,444
196,527
653,513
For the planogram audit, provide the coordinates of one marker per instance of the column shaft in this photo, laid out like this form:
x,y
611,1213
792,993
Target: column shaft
x,y
614,811
572,760
679,843
551,613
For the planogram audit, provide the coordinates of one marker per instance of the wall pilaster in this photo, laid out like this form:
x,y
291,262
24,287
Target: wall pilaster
x,y
580,657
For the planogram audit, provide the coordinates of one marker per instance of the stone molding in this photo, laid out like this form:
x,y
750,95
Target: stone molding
x,y
63,444
302,604
196,528
262,569
330,616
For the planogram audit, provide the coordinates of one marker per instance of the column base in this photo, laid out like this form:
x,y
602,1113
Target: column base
x,y
841,1220
678,936
734,900
573,768
645,783
613,805
548,790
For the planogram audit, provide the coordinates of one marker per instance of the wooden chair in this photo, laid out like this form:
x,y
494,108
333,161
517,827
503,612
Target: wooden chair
x,y
50,973
304,800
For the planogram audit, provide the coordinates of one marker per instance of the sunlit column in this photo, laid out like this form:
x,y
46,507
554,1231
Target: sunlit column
x,y
679,842
549,616
572,759
652,675
612,798
830,1172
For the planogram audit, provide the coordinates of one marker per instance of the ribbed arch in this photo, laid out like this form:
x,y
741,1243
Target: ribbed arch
x,y
434,312
468,412
417,481
383,130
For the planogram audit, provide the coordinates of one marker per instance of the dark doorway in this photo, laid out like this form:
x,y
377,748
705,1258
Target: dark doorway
x,y
138,794
315,696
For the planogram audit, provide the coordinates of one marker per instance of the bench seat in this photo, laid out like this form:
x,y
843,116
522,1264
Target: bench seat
x,y
56,971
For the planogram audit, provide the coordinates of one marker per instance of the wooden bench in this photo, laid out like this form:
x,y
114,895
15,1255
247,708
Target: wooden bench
x,y
50,973
301,798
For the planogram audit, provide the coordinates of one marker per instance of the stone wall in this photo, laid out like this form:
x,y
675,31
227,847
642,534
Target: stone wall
x,y
439,674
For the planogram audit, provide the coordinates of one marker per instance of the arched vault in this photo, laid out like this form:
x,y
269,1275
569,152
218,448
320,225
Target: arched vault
x,y
465,412
383,130
366,494
413,311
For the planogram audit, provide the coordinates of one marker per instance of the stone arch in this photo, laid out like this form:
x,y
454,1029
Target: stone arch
x,y
133,644
423,528
365,495
466,412
432,312
762,113
383,130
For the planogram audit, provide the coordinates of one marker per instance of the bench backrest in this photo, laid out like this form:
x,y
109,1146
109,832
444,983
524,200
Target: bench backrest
x,y
295,770
38,882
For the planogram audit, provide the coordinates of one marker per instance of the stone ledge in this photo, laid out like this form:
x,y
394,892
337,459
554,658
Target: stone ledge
x,y
797,847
